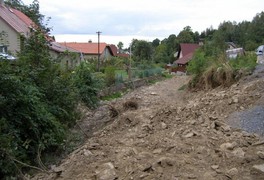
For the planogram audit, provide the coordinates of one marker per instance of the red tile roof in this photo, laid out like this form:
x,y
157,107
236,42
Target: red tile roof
x,y
23,17
86,48
22,24
15,19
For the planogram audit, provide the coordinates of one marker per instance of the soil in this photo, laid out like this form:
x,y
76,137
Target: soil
x,y
162,132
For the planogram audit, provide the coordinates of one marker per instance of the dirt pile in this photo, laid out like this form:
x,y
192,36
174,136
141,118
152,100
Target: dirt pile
x,y
171,135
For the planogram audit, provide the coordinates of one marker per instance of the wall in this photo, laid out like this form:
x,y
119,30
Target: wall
x,y
12,40
66,61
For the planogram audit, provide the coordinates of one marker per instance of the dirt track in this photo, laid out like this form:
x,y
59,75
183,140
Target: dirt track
x,y
172,135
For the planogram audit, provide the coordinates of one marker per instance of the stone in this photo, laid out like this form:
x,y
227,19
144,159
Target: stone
x,y
260,154
87,153
227,146
165,161
239,153
232,172
208,176
106,172
190,134
157,151
259,168
163,125
214,167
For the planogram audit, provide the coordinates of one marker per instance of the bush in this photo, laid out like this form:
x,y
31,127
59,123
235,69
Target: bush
x,y
110,75
87,85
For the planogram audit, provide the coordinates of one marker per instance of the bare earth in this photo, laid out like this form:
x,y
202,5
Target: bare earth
x,y
172,135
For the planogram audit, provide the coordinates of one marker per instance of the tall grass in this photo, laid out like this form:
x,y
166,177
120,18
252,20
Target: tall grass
x,y
209,72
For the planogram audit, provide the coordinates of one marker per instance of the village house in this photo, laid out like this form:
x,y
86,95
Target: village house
x,y
260,54
89,50
15,26
184,55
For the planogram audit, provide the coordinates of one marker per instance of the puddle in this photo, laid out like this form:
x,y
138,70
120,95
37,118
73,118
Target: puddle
x,y
251,120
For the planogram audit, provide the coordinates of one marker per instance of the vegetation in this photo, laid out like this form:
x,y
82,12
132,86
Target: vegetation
x,y
210,71
38,103
38,99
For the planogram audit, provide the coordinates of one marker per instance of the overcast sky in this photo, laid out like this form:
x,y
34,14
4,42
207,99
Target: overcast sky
x,y
123,20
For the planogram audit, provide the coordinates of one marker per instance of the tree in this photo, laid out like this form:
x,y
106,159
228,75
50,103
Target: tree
x,y
120,46
186,35
142,50
155,42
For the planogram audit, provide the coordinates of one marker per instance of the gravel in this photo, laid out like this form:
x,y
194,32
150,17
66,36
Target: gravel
x,y
251,120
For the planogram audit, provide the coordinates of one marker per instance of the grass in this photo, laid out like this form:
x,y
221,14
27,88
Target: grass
x,y
122,73
112,96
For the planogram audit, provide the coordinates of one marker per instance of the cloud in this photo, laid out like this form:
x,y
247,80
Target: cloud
x,y
143,17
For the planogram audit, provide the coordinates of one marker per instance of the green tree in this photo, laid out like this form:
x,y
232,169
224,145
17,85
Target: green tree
x,y
186,35
155,42
120,46
142,50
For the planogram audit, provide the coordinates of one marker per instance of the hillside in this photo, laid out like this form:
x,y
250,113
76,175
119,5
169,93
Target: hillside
x,y
161,132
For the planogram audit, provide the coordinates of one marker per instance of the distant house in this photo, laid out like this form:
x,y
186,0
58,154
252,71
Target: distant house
x,y
66,56
14,25
260,54
184,55
233,51
90,50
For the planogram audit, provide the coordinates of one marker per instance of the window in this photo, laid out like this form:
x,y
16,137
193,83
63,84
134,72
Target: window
x,y
3,49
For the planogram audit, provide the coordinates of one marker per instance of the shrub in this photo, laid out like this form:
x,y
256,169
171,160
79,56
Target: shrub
x,y
87,85
110,75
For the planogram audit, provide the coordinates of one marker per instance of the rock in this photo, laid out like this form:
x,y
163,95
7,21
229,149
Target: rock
x,y
214,167
94,146
260,154
209,176
165,161
153,93
258,171
106,172
163,125
190,134
235,99
232,172
87,153
239,153
227,146
157,151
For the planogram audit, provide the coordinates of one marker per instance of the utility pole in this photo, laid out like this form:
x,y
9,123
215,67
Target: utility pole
x,y
98,63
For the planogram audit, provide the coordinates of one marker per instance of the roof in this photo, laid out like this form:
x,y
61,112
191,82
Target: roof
x,y
187,48
22,24
86,48
185,59
124,55
16,19
113,49
60,48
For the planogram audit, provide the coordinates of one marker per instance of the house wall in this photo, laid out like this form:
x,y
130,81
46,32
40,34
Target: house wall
x,y
66,61
11,38
105,56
